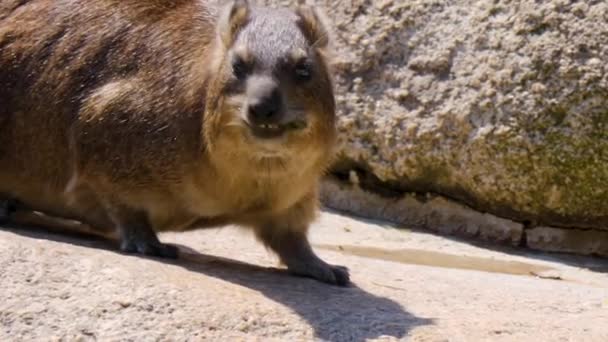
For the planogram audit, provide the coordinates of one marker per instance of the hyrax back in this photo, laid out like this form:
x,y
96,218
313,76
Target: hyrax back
x,y
143,116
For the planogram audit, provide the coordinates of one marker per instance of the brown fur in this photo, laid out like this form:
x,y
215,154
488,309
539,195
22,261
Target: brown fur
x,y
124,114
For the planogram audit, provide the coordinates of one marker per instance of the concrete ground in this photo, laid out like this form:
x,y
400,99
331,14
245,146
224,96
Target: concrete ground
x,y
406,286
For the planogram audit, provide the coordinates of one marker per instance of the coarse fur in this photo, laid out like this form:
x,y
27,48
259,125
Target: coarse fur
x,y
141,116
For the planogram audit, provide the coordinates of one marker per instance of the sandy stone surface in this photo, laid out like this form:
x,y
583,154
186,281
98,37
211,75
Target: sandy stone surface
x,y
407,286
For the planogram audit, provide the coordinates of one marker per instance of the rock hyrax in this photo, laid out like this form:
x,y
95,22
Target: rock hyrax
x,y
137,117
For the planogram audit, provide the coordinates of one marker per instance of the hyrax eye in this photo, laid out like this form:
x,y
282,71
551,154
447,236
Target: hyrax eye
x,y
303,71
240,69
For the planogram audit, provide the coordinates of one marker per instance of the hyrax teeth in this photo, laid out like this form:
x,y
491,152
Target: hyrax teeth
x,y
268,126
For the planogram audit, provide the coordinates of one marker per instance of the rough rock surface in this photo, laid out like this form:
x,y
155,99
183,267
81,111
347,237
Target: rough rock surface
x,y
54,287
500,105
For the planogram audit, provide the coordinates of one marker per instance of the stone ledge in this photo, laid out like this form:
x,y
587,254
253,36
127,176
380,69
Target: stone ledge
x,y
434,213
447,217
568,240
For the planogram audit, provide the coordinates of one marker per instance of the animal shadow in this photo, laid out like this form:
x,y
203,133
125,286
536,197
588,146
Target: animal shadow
x,y
335,313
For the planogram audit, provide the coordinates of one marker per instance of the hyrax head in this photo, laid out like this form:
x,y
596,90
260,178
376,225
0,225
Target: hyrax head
x,y
274,92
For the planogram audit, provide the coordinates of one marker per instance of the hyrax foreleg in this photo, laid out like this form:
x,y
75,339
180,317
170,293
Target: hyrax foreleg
x,y
286,234
136,234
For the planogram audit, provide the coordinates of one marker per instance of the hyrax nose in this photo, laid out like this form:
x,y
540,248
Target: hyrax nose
x,y
266,108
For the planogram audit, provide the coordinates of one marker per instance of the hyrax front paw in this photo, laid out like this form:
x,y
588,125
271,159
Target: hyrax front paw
x,y
136,233
317,269
341,274
150,248
295,252
7,207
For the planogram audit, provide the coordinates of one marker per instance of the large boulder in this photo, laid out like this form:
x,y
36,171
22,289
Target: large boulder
x,y
498,105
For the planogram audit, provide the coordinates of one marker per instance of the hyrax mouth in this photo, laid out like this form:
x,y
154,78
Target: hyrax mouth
x,y
269,131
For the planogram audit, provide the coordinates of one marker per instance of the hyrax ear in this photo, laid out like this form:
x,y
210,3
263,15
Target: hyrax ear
x,y
312,24
233,17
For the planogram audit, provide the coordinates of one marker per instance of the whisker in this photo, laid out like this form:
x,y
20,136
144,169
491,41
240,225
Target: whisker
x,y
319,40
